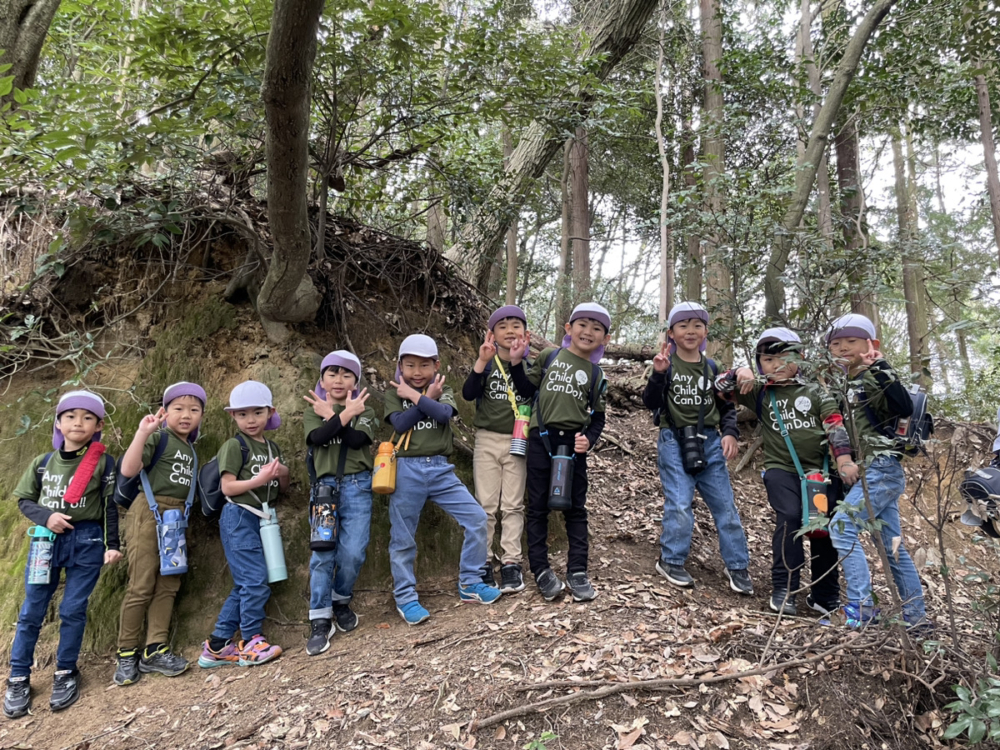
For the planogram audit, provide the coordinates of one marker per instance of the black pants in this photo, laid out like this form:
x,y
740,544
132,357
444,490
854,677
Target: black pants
x,y
539,467
784,493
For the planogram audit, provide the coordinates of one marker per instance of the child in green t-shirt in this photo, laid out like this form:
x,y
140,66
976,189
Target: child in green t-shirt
x,y
68,492
420,407
339,429
168,437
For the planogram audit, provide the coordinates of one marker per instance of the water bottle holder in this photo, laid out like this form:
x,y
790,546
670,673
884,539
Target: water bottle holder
x,y
171,541
323,521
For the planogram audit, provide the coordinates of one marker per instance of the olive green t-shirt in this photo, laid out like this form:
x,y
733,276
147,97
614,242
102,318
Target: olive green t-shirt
x,y
803,407
687,391
172,475
231,461
494,410
564,397
429,437
325,457
48,488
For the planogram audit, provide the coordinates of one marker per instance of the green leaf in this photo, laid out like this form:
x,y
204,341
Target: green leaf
x,y
957,728
977,731
6,85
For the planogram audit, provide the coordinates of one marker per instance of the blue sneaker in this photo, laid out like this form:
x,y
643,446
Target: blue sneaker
x,y
857,616
413,613
478,592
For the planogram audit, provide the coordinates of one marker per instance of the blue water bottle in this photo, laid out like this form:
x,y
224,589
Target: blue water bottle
x,y
274,552
40,555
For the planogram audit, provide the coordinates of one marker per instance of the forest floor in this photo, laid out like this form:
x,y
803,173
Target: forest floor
x,y
386,685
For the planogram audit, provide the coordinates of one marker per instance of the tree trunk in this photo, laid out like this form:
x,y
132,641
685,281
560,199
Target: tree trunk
x,y
853,219
581,216
611,33
920,269
693,277
666,257
805,171
907,238
824,212
24,24
989,154
563,284
511,250
287,294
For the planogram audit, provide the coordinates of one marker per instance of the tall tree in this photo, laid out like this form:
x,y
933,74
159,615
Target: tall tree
x,y
564,285
666,257
510,292
912,288
580,199
989,153
23,27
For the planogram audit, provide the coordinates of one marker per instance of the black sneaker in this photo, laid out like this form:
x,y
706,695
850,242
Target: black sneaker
x,y
824,608
579,586
739,581
487,576
511,578
17,699
163,661
127,672
783,606
319,638
549,584
65,689
675,574
344,618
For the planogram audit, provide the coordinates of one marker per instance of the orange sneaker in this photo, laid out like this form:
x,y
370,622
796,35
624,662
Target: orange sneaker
x,y
257,651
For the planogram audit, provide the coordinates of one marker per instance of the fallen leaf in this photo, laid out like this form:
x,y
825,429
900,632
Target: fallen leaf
x,y
455,730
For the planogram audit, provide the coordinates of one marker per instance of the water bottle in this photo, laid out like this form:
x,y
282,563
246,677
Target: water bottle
x,y
519,439
172,543
40,554
274,553
561,479
323,518
384,471
816,502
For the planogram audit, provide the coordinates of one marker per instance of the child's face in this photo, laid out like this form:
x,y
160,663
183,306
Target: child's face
x,y
689,334
507,331
849,348
338,382
778,367
252,419
418,371
586,334
184,415
78,427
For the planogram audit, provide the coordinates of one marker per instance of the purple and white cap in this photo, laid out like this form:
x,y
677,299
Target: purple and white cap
x,y
852,325
777,336
339,358
77,400
686,311
251,394
590,311
507,311
418,345
184,388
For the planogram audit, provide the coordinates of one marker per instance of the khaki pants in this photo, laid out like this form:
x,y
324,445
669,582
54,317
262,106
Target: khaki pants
x,y
148,596
500,479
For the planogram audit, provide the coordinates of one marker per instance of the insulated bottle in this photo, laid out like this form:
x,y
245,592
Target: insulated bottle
x,y
40,554
274,552
519,439
561,479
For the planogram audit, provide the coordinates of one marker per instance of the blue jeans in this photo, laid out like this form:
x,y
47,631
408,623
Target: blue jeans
x,y
717,492
332,573
886,483
80,553
419,479
243,609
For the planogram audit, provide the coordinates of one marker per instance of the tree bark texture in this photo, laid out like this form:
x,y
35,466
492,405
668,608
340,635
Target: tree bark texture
x,y
989,154
510,294
563,282
287,294
906,235
666,257
852,219
24,24
805,175
580,196
693,278
611,34
807,55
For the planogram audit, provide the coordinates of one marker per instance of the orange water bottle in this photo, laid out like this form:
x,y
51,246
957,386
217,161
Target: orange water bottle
x,y
384,470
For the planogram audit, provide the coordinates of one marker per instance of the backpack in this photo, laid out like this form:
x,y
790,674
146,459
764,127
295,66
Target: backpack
x,y
210,482
109,467
908,434
981,490
662,415
127,488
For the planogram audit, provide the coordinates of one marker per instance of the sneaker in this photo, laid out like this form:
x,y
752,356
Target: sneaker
x,y
511,578
127,669
319,638
922,628
782,603
857,616
824,608
17,699
478,592
549,584
739,581
163,661
580,587
488,578
227,655
413,613
344,618
65,689
675,574
257,651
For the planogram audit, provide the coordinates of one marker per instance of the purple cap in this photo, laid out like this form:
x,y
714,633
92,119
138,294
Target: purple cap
x,y
77,400
590,311
777,336
418,345
507,311
339,358
852,325
250,394
687,311
184,388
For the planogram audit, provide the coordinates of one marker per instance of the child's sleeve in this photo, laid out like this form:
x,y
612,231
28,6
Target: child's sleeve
x,y
27,491
230,458
402,420
527,381
475,385
652,395
112,538
441,410
362,432
897,401
833,425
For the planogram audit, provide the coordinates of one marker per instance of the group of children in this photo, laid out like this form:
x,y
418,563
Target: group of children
x,y
71,491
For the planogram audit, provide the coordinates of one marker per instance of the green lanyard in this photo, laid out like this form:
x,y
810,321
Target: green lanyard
x,y
788,441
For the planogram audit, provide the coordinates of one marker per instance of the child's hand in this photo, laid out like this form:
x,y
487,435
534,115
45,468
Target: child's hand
x,y
848,470
745,380
519,348
436,388
282,469
868,358
151,423
406,392
354,407
487,349
269,472
59,522
322,407
661,362
581,444
112,556
730,448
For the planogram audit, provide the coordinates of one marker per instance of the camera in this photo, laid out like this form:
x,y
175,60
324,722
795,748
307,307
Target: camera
x,y
692,449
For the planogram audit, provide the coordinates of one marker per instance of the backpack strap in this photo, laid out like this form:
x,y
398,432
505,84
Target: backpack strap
x,y
158,451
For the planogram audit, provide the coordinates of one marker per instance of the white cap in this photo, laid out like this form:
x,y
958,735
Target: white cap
x,y
249,394
418,345
852,325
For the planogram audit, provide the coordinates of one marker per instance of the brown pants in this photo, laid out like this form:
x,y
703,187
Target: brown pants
x,y
500,479
148,596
